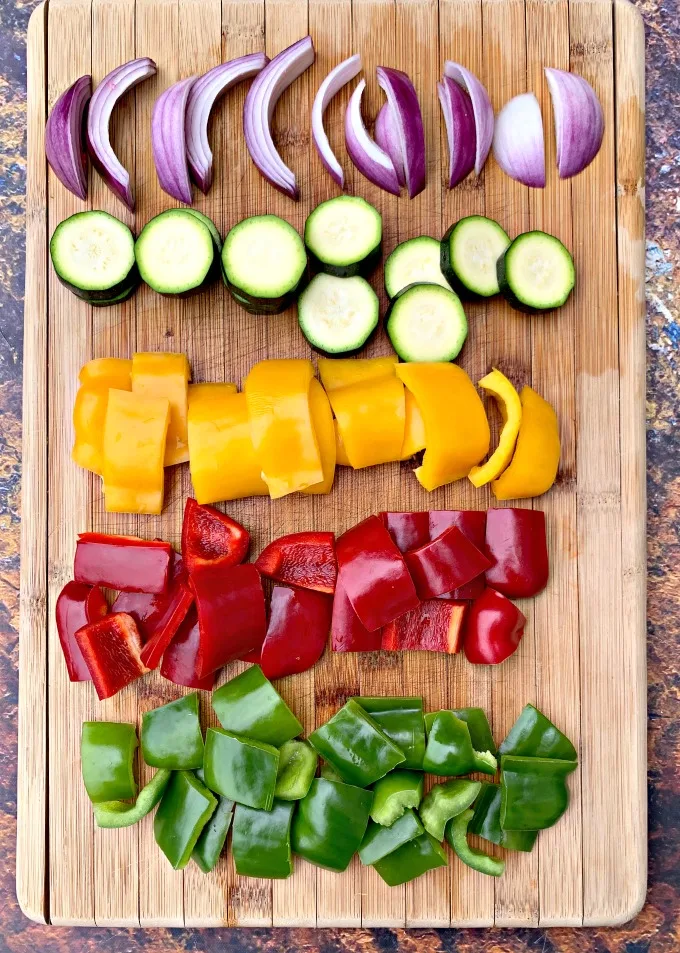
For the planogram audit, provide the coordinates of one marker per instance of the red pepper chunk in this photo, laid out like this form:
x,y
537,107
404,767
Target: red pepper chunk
x,y
347,632
516,542
447,563
209,536
408,530
374,574
126,563
299,622
472,524
434,626
180,662
493,629
306,560
77,606
111,648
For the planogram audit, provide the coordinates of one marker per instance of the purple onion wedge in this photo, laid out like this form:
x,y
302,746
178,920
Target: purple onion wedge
x,y
333,83
408,124
387,137
518,144
366,154
461,134
579,121
64,140
481,107
168,140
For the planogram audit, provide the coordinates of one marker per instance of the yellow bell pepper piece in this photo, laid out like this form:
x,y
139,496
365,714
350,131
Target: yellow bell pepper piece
x,y
414,431
89,409
107,372
336,373
221,454
371,418
162,374
341,458
537,455
456,429
324,428
511,412
135,432
285,444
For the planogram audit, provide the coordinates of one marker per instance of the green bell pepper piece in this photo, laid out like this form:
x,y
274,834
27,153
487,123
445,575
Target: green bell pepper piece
x,y
534,793
210,844
411,860
394,793
444,801
534,736
185,809
329,773
402,721
330,823
241,769
250,705
480,729
456,835
380,841
486,822
449,748
297,767
260,841
113,814
171,735
355,746
107,752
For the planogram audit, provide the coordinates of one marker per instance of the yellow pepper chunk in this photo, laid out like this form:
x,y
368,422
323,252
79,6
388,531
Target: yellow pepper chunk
x,y
336,373
511,412
341,458
221,454
324,428
537,455
283,435
414,431
107,372
456,429
371,418
135,432
89,409
161,374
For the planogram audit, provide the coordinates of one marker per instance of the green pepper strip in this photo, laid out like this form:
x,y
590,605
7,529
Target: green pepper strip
x,y
297,767
185,809
260,841
445,801
114,814
480,730
241,769
486,822
411,860
534,793
330,823
107,751
250,705
456,835
534,736
449,748
402,721
394,793
380,841
210,844
171,735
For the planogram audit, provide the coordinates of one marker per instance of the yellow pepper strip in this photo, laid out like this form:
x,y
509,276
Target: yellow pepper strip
x,y
161,374
537,455
135,432
107,372
89,409
221,454
285,444
414,432
371,419
336,373
324,428
511,412
341,458
456,429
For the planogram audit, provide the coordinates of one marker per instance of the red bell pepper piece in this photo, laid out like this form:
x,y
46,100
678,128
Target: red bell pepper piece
x,y
111,648
408,530
209,536
306,560
126,563
253,657
446,563
77,606
374,574
231,613
516,541
180,662
347,632
299,623
472,524
435,625
493,629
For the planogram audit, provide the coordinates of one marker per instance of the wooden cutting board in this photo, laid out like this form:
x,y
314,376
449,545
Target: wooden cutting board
x,y
582,659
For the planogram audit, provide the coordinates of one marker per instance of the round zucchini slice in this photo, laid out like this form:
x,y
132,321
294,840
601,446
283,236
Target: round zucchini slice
x,y
338,315
263,263
469,252
536,273
426,322
175,253
209,224
93,254
414,262
343,236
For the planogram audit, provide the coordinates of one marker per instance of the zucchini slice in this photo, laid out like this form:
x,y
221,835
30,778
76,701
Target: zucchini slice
x,y
426,322
343,236
93,254
176,253
209,224
338,315
536,273
414,262
469,252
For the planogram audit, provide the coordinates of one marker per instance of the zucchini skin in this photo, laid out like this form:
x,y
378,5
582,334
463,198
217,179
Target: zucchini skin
x,y
463,292
362,268
106,295
255,305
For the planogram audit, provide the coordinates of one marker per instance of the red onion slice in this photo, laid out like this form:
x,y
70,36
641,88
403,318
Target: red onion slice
x,y
579,121
332,84
64,145
459,119
168,140
481,107
366,154
202,97
387,137
104,98
518,144
259,108
408,123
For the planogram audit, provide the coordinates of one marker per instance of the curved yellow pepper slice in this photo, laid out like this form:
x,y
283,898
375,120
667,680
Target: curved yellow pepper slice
x,y
277,393
324,428
342,372
106,372
341,458
511,412
456,429
89,409
533,468
163,374
371,418
414,431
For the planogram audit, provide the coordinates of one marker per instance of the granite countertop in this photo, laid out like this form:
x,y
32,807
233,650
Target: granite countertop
x,y
657,928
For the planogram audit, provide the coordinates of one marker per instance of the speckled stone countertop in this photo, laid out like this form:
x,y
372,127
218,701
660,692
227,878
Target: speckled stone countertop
x,y
657,928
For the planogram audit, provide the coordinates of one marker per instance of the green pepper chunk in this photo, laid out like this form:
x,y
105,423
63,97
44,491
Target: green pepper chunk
x,y
380,841
456,835
394,793
480,729
329,773
241,769
534,793
534,736
486,822
185,809
297,767
210,843
411,860
449,748
260,841
114,814
330,823
107,752
444,801
402,721
355,746
171,735
250,705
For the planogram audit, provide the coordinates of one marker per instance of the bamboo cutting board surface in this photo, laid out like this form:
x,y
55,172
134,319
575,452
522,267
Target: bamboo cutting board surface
x,y
582,659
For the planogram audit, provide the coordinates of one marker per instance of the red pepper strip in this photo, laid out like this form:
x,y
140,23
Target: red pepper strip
x,y
472,524
408,530
374,574
306,560
181,656
434,626
299,623
126,563
209,536
347,632
77,606
253,657
231,613
515,540
111,648
447,563
493,629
